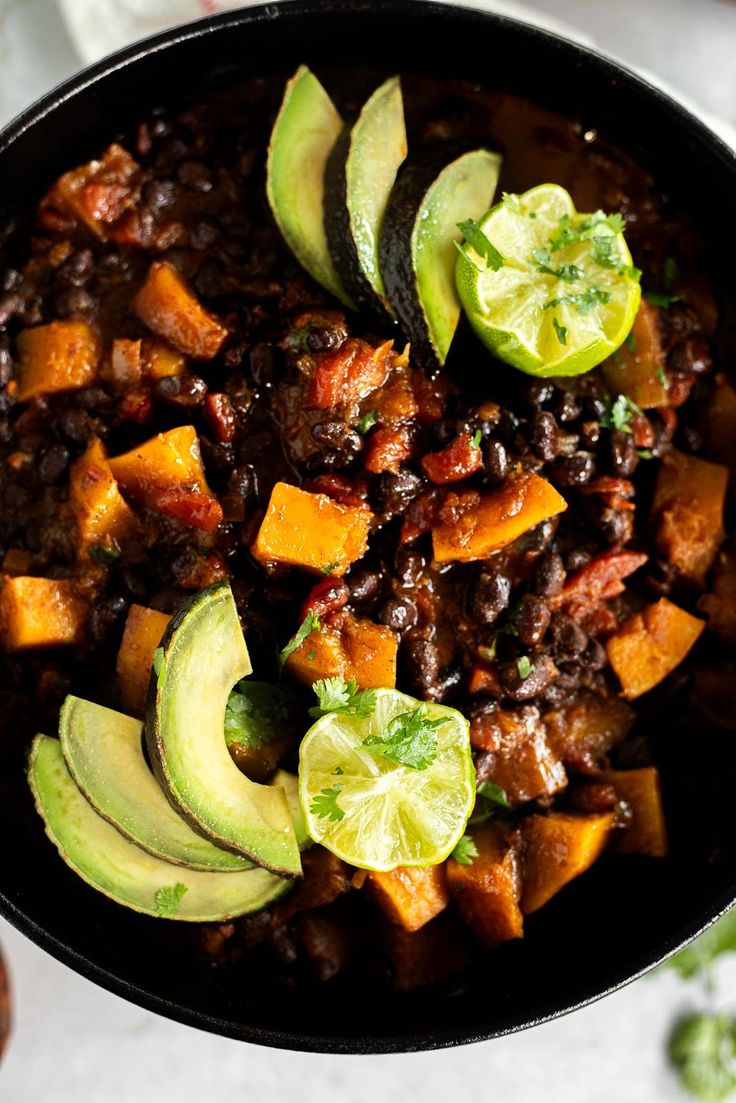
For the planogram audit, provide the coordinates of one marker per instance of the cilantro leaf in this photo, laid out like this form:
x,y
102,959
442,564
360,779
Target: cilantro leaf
x,y
478,241
410,739
489,798
619,413
542,259
699,955
325,803
367,421
104,555
661,376
589,229
561,331
477,438
167,900
330,568
658,299
465,851
525,666
645,453
702,1048
337,695
257,712
584,301
309,624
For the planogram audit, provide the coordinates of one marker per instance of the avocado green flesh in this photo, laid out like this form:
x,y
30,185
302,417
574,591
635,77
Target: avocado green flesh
x,y
104,753
109,862
303,135
204,655
290,784
418,245
364,175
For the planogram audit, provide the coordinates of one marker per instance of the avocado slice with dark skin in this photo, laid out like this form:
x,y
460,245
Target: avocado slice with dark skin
x,y
306,128
359,175
418,243
202,655
125,873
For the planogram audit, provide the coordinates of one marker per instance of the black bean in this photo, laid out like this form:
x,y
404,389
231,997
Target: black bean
x,y
338,435
497,462
549,574
594,656
590,434
10,304
399,614
11,279
408,565
74,425
195,176
568,638
543,435
325,338
563,690
365,586
243,482
211,280
490,597
532,619
395,492
186,391
575,470
577,558
522,686
72,302
616,526
104,615
623,455
52,464
567,407
420,657
539,392
77,268
264,365
205,234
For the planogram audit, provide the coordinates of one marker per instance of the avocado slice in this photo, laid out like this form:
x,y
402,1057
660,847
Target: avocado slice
x,y
360,173
113,865
303,135
104,753
417,248
202,655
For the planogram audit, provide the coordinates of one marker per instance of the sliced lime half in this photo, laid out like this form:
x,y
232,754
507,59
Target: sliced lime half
x,y
375,811
566,293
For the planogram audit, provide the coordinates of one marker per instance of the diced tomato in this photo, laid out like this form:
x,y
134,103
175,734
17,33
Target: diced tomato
x,y
220,415
431,396
348,374
349,492
328,596
190,506
599,580
609,484
387,449
642,431
483,680
395,402
136,406
461,458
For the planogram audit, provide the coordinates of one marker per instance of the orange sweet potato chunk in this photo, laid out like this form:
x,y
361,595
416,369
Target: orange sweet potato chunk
x,y
166,473
100,192
497,519
104,519
60,356
489,889
719,605
587,728
559,847
167,306
349,648
312,531
517,754
160,360
637,368
647,832
688,510
650,644
39,612
144,629
410,896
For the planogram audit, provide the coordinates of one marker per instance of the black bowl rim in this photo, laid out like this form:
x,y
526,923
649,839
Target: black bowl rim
x,y
307,1041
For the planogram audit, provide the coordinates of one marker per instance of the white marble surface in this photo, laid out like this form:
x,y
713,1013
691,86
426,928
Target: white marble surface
x,y
74,1043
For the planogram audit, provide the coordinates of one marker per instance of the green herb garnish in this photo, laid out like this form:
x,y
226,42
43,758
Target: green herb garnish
x,y
700,955
478,241
367,421
104,555
619,413
542,260
661,376
511,202
630,342
337,695
560,330
657,298
567,234
330,568
584,301
489,798
325,804
256,712
702,1049
409,739
309,624
167,899
645,453
465,851
525,666
476,439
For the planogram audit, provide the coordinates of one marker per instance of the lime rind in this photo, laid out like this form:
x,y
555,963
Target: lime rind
x,y
509,308
392,815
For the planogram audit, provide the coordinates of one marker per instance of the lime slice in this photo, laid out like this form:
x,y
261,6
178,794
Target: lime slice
x,y
377,813
566,294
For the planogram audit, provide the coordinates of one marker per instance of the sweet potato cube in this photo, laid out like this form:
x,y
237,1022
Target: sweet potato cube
x,y
497,519
489,889
559,847
160,360
688,509
144,629
104,519
411,896
719,605
650,644
587,728
60,356
311,531
647,832
349,648
637,368
517,754
371,651
167,306
166,473
39,612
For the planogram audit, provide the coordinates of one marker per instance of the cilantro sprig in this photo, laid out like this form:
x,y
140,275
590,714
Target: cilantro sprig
x,y
477,240
311,623
256,713
489,797
410,739
583,301
465,851
324,804
168,898
702,1048
337,695
619,413
542,260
